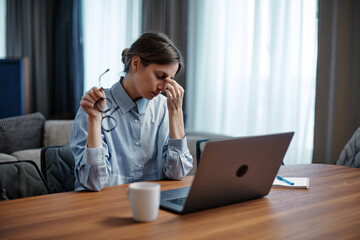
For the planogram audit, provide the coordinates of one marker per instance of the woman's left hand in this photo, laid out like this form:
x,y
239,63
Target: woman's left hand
x,y
175,95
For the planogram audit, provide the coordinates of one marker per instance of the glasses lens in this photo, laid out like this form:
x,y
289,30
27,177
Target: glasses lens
x,y
108,123
103,105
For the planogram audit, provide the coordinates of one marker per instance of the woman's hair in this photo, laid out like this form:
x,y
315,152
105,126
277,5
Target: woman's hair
x,y
152,48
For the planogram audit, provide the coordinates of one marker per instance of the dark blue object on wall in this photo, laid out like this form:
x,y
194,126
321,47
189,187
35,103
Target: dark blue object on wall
x,y
12,89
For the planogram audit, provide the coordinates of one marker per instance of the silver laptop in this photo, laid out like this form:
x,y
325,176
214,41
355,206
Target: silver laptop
x,y
230,171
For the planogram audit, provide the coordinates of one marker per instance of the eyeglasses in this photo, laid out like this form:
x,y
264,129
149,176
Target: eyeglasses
x,y
104,105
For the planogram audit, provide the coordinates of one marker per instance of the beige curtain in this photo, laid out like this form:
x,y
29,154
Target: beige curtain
x,y
337,110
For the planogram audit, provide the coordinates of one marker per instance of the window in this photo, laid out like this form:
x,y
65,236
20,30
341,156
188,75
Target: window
x,y
108,28
2,28
251,70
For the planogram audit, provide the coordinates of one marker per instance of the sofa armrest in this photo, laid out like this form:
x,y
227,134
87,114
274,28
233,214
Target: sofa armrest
x,y
57,132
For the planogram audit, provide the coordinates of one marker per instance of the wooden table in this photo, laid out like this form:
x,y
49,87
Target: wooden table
x,y
330,209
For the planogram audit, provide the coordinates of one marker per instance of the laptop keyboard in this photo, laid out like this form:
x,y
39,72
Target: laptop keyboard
x,y
179,201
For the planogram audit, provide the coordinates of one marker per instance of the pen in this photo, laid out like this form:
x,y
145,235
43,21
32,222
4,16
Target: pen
x,y
284,180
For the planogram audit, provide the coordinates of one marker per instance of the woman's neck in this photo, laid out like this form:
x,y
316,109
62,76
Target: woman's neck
x,y
129,87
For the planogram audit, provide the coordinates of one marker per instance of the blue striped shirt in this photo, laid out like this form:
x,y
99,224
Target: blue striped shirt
x,y
138,149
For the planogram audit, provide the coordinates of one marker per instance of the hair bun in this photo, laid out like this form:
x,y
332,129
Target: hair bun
x,y
123,55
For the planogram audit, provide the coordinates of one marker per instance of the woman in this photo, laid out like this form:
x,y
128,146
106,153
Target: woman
x,y
148,141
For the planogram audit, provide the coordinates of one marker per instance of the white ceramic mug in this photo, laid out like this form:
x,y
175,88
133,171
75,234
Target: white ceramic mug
x,y
145,200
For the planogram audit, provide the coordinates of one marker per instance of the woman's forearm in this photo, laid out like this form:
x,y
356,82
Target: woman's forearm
x,y
94,132
176,123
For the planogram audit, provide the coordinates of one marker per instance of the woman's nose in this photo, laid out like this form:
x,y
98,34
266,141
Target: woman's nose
x,y
162,86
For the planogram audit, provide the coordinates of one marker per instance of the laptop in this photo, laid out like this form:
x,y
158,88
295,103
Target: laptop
x,y
230,171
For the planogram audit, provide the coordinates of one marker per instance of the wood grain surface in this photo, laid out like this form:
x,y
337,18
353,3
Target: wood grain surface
x,y
329,209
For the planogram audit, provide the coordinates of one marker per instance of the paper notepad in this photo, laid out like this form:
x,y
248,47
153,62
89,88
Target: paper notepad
x,y
302,182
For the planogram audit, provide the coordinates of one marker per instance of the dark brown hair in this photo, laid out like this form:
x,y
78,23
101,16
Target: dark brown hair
x,y
152,48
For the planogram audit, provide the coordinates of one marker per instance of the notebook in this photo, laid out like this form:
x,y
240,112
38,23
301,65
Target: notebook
x,y
298,182
230,171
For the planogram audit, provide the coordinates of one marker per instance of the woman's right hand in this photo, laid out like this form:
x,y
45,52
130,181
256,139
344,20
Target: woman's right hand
x,y
88,102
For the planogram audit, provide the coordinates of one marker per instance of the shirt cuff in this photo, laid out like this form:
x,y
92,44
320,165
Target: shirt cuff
x,y
94,156
178,144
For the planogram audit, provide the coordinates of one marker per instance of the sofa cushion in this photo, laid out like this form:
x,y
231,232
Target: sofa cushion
x,y
57,132
57,165
19,133
21,179
7,158
350,155
28,154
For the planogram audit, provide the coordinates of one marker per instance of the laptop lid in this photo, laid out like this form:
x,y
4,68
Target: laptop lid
x,y
231,171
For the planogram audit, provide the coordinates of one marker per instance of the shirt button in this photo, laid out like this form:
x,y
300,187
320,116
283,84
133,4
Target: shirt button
x,y
170,166
139,165
137,143
136,120
172,147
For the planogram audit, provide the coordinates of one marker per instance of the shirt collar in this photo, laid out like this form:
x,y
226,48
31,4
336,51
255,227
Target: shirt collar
x,y
141,104
123,100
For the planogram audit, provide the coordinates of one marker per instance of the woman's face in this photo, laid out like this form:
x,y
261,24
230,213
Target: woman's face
x,y
149,81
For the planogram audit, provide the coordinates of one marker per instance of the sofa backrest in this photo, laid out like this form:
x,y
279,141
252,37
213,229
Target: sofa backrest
x,y
57,132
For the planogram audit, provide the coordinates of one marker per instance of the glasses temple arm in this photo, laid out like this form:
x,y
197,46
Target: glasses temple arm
x,y
102,75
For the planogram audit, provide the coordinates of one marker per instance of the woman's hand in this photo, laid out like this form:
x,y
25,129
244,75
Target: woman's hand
x,y
89,99
175,95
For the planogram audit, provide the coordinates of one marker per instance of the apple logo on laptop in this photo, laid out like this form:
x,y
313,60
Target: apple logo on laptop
x,y
241,170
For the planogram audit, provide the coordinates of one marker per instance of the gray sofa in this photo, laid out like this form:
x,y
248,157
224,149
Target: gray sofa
x,y
21,138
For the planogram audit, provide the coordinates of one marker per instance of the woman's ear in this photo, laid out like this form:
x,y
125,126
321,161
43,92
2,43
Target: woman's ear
x,y
135,63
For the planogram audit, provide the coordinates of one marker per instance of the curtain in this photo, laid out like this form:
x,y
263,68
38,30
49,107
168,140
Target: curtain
x,y
48,33
2,28
108,27
169,17
337,114
28,34
67,81
251,70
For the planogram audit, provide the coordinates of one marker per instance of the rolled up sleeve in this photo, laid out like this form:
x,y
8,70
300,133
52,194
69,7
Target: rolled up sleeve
x,y
179,160
90,170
